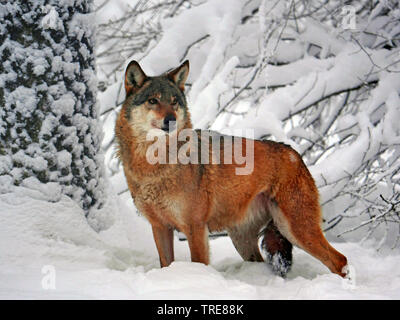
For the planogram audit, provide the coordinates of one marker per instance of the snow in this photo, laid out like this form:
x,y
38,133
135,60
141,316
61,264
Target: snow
x,y
47,241
64,158
45,245
208,99
52,20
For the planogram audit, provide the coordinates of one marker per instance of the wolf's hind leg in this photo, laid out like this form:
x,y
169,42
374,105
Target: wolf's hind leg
x,y
278,250
246,234
245,240
299,221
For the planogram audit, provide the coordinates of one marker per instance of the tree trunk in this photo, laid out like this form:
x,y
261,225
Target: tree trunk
x,y
49,125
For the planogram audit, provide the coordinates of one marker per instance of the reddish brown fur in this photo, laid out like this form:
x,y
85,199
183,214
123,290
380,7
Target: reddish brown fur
x,y
275,242
196,198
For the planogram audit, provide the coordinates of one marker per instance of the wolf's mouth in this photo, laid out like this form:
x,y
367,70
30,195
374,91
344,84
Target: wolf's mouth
x,y
166,127
155,126
170,127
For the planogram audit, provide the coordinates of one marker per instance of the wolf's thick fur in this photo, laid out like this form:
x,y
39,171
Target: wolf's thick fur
x,y
278,200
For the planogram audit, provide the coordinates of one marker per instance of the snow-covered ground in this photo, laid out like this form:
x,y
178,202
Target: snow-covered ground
x,y
48,251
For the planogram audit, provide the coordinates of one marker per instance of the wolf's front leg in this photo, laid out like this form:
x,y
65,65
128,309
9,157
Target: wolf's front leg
x,y
198,243
164,238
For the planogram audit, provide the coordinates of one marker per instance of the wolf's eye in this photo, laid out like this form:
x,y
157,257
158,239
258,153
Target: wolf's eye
x,y
152,101
174,103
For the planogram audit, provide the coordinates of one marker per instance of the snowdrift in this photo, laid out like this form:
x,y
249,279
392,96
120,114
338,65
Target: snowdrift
x,y
49,251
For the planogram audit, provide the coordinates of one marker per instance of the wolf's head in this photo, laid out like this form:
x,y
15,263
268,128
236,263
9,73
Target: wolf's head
x,y
156,103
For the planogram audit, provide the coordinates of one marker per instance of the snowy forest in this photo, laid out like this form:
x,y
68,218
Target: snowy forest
x,y
321,76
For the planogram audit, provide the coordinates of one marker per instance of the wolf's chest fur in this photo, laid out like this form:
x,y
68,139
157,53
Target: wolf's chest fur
x,y
160,200
158,190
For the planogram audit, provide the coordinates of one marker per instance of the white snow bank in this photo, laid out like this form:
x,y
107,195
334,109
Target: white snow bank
x,y
40,240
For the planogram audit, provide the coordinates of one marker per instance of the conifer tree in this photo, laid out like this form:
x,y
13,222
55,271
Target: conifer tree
x,y
49,127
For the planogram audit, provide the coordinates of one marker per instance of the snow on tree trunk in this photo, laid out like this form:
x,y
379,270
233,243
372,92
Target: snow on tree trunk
x,y
49,127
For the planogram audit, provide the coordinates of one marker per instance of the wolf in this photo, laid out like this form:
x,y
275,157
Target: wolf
x,y
273,207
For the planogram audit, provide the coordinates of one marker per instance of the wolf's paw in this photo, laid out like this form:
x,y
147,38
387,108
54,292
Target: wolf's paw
x,y
277,249
349,279
279,264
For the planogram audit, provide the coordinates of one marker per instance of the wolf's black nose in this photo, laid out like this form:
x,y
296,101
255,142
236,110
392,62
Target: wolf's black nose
x,y
169,122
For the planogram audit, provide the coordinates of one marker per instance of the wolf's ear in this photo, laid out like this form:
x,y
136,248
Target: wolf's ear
x,y
134,77
180,74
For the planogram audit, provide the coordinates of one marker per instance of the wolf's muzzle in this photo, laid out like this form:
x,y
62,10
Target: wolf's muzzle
x,y
169,123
